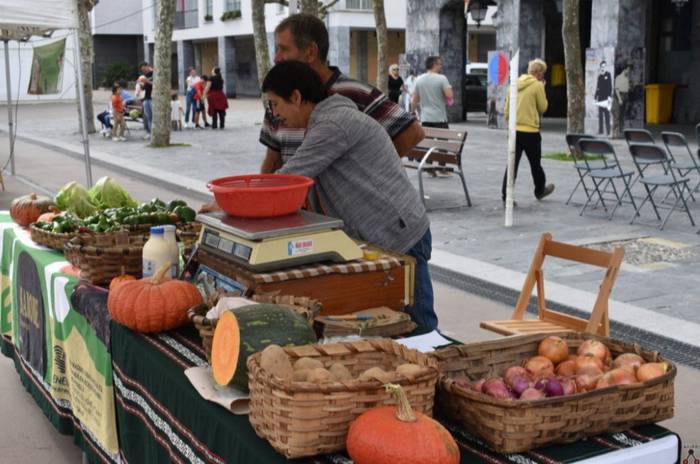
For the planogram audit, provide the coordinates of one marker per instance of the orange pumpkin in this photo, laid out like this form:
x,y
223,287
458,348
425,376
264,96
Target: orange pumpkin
x,y
152,304
26,209
120,279
397,434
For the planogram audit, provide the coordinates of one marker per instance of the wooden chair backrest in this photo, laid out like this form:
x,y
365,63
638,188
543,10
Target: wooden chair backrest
x,y
598,322
448,144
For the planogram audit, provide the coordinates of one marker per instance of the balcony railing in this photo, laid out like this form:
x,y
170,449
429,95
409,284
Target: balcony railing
x,y
359,4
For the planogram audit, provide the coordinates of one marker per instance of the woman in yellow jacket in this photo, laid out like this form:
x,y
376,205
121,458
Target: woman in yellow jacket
x,y
532,102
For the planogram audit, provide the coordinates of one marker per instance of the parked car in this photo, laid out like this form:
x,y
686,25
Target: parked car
x,y
478,68
474,96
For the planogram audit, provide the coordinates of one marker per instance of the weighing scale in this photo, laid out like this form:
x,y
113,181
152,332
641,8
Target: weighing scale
x,y
268,244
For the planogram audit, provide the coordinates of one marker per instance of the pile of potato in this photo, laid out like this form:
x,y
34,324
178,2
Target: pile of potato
x,y
277,362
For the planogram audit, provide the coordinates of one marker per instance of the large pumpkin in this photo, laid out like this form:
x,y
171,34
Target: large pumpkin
x,y
152,304
389,434
26,209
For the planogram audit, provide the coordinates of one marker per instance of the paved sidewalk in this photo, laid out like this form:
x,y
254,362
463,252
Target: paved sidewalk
x,y
661,274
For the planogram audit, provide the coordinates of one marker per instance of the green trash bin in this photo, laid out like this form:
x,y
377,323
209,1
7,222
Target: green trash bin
x,y
659,103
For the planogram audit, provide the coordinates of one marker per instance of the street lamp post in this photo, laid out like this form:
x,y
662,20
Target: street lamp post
x,y
478,9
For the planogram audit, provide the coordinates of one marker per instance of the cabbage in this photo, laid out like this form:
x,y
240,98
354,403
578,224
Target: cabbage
x,y
107,193
75,198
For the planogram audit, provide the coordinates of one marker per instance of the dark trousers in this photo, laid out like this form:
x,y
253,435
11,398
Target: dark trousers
x,y
603,115
221,115
436,125
423,312
531,143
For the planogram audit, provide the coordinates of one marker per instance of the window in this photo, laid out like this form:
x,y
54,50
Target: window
x,y
233,5
186,12
209,8
359,4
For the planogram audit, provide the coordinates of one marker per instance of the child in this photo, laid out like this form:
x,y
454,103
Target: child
x,y
117,114
175,112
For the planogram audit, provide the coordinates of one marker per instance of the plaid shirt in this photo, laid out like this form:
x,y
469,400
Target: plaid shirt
x,y
368,99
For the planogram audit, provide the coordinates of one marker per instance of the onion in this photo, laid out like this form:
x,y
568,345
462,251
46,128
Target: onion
x,y
532,394
554,348
553,387
515,372
463,383
478,385
588,364
568,384
496,388
572,357
586,382
616,377
540,367
541,384
629,361
566,368
597,349
650,371
519,386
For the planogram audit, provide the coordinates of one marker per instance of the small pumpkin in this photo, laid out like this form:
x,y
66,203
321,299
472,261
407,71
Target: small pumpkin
x,y
153,304
50,216
398,434
26,209
120,279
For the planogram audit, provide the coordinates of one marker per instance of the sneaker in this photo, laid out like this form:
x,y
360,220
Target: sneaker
x,y
547,191
206,124
147,137
122,139
198,127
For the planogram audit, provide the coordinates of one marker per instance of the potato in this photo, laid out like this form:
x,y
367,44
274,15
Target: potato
x,y
376,373
275,360
307,364
410,371
301,375
320,375
340,372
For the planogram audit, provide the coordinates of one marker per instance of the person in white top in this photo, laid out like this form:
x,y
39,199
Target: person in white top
x,y
176,112
189,97
410,85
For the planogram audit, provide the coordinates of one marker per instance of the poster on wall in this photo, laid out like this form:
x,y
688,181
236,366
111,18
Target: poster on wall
x,y
497,88
628,103
600,65
47,68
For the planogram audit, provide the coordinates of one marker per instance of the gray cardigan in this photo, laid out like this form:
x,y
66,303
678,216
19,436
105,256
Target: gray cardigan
x,y
359,176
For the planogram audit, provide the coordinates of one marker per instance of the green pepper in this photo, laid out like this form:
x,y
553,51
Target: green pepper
x,y
158,204
185,213
174,204
131,220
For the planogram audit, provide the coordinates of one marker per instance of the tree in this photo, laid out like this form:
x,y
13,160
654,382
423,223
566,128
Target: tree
x,y
262,53
86,58
162,75
382,45
575,90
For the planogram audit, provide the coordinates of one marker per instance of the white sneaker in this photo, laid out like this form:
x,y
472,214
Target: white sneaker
x,y
147,137
115,139
122,139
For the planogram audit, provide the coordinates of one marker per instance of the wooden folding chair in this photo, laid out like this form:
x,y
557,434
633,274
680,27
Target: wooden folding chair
x,y
555,321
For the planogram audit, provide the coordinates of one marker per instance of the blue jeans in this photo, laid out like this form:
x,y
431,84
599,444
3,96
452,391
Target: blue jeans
x,y
189,102
147,115
422,312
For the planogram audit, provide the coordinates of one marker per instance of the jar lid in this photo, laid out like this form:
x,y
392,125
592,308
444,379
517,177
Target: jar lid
x,y
157,230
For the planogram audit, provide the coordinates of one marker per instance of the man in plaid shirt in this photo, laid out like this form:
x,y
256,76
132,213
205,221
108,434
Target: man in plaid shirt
x,y
303,37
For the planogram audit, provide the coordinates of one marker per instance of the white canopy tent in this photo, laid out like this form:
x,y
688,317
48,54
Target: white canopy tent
x,y
22,19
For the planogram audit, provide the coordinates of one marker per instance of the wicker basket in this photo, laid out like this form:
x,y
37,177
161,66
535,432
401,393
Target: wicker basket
x,y
188,234
102,257
307,307
304,419
516,426
50,239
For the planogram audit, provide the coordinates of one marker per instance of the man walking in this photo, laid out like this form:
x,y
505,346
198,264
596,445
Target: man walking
x,y
433,93
603,98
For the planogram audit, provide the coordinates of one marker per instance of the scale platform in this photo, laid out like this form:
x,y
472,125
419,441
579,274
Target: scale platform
x,y
268,244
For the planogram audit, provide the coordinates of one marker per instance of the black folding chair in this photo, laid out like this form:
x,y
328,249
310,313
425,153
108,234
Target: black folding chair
x,y
606,178
651,183
684,163
580,166
638,136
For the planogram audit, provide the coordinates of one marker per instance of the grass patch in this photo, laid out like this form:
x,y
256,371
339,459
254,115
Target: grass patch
x,y
563,156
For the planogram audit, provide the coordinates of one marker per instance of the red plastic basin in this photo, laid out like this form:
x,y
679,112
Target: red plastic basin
x,y
260,195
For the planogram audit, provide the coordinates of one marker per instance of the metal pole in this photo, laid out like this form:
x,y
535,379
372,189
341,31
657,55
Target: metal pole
x,y
83,109
512,116
10,122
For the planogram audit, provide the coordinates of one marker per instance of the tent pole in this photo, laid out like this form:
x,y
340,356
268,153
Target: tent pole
x,y
83,109
10,123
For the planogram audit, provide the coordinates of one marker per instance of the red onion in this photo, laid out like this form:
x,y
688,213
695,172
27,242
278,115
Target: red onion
x,y
519,386
532,394
514,372
496,388
553,388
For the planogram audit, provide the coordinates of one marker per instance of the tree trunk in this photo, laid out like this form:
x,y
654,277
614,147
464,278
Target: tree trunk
x,y
160,131
86,59
382,46
575,89
262,53
309,6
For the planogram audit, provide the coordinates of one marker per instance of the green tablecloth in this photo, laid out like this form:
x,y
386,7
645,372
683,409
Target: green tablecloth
x,y
60,358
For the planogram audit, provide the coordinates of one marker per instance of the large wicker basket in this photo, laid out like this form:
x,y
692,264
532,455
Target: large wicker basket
x,y
304,419
516,426
104,256
50,239
307,307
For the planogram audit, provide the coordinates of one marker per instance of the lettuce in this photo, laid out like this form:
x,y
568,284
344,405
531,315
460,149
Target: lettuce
x,y
75,198
107,193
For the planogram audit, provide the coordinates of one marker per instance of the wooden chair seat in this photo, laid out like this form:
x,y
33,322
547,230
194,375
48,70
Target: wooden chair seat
x,y
555,321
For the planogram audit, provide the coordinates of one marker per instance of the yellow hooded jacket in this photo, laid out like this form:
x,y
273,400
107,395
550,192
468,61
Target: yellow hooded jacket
x,y
532,102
